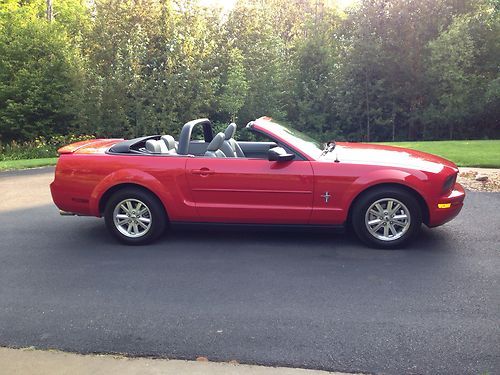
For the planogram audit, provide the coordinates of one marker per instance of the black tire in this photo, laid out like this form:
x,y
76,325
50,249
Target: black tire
x,y
360,218
155,213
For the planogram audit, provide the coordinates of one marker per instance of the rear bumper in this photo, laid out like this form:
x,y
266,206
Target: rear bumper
x,y
447,207
68,202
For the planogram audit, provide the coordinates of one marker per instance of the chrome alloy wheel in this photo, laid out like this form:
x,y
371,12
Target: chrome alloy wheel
x,y
387,219
132,218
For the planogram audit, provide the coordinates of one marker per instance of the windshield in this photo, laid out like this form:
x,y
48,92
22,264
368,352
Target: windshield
x,y
298,139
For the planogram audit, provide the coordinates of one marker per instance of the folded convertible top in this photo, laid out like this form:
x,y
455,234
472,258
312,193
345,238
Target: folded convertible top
x,y
131,145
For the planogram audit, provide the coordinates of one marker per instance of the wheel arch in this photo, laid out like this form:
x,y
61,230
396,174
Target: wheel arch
x,y
113,189
420,199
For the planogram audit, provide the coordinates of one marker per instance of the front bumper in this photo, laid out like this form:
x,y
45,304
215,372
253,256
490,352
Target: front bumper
x,y
447,207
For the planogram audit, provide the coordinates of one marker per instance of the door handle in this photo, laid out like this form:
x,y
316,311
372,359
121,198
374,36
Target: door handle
x,y
202,171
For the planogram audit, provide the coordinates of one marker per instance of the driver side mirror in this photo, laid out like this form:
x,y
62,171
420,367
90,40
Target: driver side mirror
x,y
279,154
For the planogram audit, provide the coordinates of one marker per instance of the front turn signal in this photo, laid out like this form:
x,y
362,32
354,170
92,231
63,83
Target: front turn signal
x,y
444,205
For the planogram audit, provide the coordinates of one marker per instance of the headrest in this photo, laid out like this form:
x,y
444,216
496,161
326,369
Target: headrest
x,y
153,146
156,146
230,131
169,141
216,142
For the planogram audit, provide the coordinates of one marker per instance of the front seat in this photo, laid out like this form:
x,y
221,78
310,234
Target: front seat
x,y
230,147
213,149
169,142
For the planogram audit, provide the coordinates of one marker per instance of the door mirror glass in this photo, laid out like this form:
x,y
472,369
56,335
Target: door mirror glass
x,y
279,154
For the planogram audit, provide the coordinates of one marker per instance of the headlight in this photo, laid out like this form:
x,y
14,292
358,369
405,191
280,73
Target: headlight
x,y
449,183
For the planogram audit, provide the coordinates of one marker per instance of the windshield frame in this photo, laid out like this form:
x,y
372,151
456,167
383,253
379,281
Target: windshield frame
x,y
300,143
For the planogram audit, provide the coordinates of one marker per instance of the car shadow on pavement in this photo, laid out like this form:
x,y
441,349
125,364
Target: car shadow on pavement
x,y
89,233
241,238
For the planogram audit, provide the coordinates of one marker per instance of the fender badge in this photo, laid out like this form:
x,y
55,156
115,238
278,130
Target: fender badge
x,y
326,196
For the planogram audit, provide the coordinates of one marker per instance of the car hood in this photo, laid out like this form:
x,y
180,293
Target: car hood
x,y
366,153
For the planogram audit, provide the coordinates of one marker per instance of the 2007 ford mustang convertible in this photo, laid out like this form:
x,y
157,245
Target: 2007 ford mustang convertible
x,y
142,185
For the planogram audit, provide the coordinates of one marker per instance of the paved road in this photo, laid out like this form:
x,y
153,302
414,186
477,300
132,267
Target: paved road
x,y
310,300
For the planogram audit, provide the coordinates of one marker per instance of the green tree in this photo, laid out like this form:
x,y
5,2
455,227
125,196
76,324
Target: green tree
x,y
313,77
152,66
39,74
384,67
249,30
463,76
235,89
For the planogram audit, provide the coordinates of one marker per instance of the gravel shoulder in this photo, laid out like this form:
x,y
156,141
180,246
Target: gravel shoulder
x,y
480,179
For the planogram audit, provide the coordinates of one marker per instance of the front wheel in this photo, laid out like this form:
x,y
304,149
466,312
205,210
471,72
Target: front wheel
x,y
135,217
386,217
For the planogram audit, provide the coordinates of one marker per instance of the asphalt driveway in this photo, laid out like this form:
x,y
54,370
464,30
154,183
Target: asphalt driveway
x,y
314,300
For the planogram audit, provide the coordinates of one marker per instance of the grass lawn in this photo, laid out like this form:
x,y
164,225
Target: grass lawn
x,y
26,163
484,154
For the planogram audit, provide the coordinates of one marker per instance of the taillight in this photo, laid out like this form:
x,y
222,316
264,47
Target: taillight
x,y
449,183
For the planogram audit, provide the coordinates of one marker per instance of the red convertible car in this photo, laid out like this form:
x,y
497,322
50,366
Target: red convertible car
x,y
142,185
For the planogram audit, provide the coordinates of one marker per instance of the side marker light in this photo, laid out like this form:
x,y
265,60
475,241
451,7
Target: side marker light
x,y
444,205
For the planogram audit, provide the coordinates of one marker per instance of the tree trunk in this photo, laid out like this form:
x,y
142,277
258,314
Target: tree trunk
x,y
367,107
393,126
49,12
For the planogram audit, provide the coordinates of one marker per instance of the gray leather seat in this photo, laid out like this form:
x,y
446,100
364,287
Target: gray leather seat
x,y
170,143
151,146
156,147
213,149
230,147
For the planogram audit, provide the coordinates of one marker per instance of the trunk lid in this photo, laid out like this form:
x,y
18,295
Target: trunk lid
x,y
91,146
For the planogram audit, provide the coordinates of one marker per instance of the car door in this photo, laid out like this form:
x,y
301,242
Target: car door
x,y
241,190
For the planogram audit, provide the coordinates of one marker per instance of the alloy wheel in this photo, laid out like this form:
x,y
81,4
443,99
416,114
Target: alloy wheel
x,y
132,218
387,219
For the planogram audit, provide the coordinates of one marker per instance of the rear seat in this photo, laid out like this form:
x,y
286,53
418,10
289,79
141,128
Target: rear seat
x,y
153,146
165,145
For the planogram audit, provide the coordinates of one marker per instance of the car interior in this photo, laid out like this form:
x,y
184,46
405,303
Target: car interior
x,y
222,145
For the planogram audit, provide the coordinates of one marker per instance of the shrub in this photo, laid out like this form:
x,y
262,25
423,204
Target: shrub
x,y
38,148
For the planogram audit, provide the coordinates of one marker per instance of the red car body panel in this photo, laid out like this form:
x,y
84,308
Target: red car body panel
x,y
251,190
78,189
246,190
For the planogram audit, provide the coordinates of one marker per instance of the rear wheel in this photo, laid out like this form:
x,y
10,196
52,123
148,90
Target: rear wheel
x,y
386,217
134,216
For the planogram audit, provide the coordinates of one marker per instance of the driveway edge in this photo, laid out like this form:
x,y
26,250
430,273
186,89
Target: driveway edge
x,y
30,361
